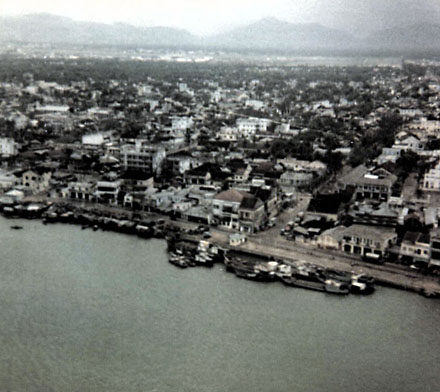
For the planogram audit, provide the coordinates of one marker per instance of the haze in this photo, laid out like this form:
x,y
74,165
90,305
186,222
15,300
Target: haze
x,y
204,17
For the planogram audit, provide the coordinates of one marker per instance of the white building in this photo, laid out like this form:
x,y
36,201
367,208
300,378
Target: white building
x,y
255,104
98,138
8,147
250,126
411,143
228,134
431,180
181,123
142,156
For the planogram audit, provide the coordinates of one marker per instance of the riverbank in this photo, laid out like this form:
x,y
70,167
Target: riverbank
x,y
147,225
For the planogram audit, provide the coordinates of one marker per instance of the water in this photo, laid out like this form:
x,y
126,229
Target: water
x,y
98,311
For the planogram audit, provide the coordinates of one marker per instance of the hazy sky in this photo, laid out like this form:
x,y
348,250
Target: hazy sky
x,y
208,16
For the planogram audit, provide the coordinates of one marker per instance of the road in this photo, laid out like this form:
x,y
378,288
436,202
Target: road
x,y
270,243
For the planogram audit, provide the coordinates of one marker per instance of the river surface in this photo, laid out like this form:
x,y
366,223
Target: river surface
x,y
99,311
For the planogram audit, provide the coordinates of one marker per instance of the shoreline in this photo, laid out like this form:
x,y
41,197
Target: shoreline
x,y
159,226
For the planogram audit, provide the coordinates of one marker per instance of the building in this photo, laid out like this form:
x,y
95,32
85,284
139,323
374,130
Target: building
x,y
359,239
97,138
373,184
431,180
251,214
8,180
8,147
250,126
434,262
376,215
142,156
228,134
225,208
415,248
81,190
181,123
207,174
107,191
410,143
36,180
295,179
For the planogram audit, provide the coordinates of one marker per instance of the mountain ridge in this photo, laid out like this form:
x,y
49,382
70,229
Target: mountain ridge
x,y
266,33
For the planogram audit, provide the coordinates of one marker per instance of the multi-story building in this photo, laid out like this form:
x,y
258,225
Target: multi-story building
x,y
369,184
361,240
250,126
107,191
226,207
81,190
415,248
36,180
142,156
431,180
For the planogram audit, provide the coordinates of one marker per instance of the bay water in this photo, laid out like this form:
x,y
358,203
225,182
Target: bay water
x,y
100,311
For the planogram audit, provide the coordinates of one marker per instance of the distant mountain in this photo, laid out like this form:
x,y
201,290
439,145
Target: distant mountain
x,y
46,28
268,33
271,33
420,36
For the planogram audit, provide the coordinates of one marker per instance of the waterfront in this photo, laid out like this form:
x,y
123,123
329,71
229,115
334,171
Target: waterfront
x,y
100,311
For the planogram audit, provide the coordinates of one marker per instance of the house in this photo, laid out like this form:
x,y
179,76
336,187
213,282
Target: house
x,y
410,143
180,162
240,171
269,197
228,134
295,180
388,155
108,191
136,181
415,248
251,214
265,173
36,180
225,208
203,194
207,174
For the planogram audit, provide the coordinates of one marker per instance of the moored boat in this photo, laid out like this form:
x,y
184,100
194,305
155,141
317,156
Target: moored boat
x,y
178,260
334,287
305,284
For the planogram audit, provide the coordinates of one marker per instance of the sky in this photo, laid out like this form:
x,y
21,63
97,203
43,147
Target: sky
x,y
204,17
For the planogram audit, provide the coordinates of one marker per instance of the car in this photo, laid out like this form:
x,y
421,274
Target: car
x,y
206,235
